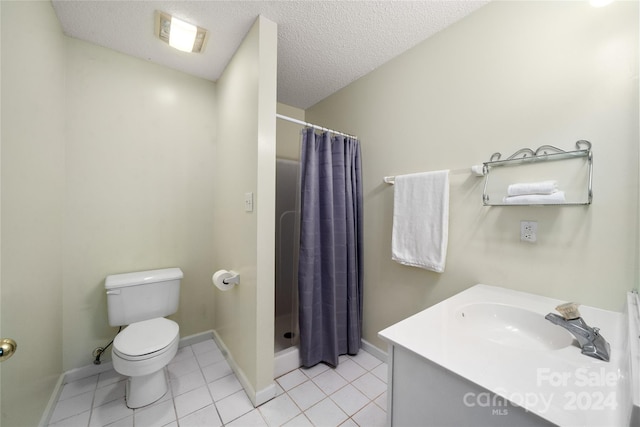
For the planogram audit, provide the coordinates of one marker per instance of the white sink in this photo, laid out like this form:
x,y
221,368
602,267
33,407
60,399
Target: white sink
x,y
511,326
453,362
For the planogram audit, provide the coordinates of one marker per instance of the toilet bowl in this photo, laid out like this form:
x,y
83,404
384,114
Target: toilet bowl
x,y
149,341
141,351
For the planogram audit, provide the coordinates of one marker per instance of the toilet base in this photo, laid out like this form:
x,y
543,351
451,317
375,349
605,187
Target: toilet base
x,y
146,389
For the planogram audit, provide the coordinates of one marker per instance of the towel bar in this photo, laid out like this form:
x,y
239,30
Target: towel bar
x,y
477,170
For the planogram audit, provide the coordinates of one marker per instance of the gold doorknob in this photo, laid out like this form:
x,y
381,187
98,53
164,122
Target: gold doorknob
x,y
7,348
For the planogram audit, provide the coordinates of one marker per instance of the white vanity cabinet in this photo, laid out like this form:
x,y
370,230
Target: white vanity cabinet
x,y
422,393
488,357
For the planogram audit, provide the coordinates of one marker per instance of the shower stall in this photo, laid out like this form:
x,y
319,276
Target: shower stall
x,y
286,268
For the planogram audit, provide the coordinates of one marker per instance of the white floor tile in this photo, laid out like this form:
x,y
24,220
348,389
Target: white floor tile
x,y
279,410
234,406
329,381
380,371
292,379
109,412
124,422
349,399
79,387
109,377
199,375
75,421
279,390
182,367
192,401
204,346
381,401
326,414
207,416
187,382
72,406
370,385
350,370
306,394
366,360
250,419
371,416
299,421
158,415
167,396
183,353
209,357
216,371
315,370
224,387
109,393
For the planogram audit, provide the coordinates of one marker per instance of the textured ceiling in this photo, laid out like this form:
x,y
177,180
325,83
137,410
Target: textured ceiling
x,y
322,45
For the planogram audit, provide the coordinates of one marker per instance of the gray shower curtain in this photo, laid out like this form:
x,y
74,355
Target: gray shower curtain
x,y
330,261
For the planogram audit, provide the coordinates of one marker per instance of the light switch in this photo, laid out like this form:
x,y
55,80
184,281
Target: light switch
x,y
248,202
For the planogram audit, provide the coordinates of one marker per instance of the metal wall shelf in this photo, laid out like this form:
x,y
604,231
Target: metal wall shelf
x,y
575,180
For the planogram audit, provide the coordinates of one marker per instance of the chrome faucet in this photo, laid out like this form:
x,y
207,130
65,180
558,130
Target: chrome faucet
x,y
592,343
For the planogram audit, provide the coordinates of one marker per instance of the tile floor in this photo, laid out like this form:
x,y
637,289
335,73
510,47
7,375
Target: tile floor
x,y
204,392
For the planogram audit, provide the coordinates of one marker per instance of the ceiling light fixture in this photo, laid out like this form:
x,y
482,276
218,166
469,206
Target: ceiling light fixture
x,y
600,3
180,34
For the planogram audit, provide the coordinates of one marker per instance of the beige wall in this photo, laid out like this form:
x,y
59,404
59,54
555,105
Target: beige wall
x,y
0,206
139,188
266,213
80,152
32,200
288,133
112,164
245,240
511,75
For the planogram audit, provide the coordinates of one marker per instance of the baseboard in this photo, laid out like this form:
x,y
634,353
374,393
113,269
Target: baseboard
x,y
86,371
285,361
48,410
89,370
196,338
374,351
67,377
257,397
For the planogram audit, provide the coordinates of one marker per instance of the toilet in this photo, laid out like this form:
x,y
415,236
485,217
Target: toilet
x,y
140,301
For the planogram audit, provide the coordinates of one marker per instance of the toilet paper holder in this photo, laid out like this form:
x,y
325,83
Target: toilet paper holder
x,y
233,280
225,280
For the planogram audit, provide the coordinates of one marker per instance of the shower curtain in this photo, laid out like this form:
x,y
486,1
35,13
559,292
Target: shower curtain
x,y
330,260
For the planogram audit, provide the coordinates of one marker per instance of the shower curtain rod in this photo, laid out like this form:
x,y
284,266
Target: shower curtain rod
x,y
300,122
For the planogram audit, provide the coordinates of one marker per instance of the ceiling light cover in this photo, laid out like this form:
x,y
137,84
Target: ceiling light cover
x,y
600,3
180,34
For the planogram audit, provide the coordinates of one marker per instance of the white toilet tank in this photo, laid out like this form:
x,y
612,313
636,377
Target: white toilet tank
x,y
142,295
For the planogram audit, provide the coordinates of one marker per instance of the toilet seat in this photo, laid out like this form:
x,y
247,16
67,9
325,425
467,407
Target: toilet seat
x,y
146,339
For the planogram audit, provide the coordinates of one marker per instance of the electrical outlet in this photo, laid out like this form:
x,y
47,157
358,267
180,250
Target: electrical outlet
x,y
528,231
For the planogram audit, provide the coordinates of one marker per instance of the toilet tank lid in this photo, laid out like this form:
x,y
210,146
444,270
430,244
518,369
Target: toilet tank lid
x,y
142,277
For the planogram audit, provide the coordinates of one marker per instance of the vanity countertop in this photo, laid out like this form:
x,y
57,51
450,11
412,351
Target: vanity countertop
x,y
498,339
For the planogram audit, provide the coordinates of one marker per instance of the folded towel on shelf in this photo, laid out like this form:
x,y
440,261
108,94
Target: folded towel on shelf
x,y
421,220
542,187
536,199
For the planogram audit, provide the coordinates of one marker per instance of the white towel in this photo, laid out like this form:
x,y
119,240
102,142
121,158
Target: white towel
x,y
542,187
421,220
536,199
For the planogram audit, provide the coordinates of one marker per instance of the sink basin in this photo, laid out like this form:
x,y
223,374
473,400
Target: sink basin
x,y
511,326
498,345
